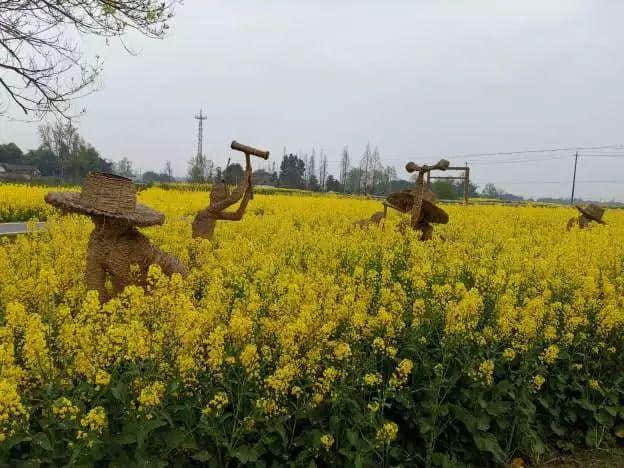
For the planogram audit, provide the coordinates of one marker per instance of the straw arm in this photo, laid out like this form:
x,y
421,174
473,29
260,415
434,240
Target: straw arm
x,y
571,223
238,214
236,194
168,263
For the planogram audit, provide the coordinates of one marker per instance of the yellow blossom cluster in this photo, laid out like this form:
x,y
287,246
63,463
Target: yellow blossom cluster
x,y
218,402
64,409
387,433
151,395
293,303
95,420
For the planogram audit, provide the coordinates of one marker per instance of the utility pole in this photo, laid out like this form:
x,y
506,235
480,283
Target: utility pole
x,y
200,133
574,178
466,183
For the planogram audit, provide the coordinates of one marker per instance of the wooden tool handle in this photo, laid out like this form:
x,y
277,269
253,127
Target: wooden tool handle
x,y
249,150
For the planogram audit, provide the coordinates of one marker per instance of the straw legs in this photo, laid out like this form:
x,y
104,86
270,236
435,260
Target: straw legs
x,y
376,218
115,246
581,222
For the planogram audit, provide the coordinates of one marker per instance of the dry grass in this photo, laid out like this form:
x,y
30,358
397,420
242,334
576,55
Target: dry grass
x,y
592,459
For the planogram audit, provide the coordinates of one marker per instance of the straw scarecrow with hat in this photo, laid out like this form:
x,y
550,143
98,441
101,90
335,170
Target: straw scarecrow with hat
x,y
220,198
422,201
419,202
589,213
404,202
116,245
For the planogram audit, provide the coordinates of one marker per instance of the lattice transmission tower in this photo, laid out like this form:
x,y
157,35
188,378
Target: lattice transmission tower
x,y
200,134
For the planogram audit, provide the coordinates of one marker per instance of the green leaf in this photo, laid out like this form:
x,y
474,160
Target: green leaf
x,y
119,391
488,443
483,423
146,428
604,418
15,440
619,431
591,438
571,416
558,429
612,410
42,440
352,437
175,438
247,454
202,456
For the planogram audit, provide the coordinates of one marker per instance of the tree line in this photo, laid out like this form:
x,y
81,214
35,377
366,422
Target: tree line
x,y
62,154
65,156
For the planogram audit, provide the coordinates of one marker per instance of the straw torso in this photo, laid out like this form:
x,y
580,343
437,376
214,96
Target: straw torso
x,y
113,251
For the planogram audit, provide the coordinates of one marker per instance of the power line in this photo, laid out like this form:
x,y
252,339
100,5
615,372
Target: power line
x,y
471,156
532,182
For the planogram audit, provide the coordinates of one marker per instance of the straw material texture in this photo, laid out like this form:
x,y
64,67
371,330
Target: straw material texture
x,y
107,195
404,202
592,211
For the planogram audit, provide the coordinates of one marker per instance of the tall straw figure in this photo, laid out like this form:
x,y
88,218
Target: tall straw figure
x,y
589,213
205,221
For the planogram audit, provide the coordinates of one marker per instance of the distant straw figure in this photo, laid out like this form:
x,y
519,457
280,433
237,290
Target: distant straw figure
x,y
589,213
205,220
406,201
115,244
423,210
375,219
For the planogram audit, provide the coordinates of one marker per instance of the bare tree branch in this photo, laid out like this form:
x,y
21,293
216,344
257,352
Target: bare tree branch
x,y
42,69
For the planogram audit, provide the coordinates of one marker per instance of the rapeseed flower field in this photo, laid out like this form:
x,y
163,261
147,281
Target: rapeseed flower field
x,y
298,340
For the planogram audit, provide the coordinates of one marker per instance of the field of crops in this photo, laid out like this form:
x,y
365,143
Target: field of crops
x,y
298,341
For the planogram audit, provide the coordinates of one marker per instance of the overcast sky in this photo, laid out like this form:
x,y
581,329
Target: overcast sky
x,y
419,79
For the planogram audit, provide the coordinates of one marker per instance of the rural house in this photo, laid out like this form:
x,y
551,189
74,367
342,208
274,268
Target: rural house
x,y
17,172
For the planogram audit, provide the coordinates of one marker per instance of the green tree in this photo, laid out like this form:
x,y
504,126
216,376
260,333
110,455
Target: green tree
x,y
151,176
43,159
332,184
292,171
64,153
11,154
233,174
490,191
124,168
313,183
444,190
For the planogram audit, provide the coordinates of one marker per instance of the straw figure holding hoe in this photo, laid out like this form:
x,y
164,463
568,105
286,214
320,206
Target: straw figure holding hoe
x,y
419,202
115,243
589,214
220,198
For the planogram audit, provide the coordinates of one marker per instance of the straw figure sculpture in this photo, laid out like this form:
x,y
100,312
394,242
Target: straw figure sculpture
x,y
589,213
205,221
419,202
406,201
117,250
375,219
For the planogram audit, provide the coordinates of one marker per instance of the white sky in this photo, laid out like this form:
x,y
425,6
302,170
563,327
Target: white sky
x,y
420,79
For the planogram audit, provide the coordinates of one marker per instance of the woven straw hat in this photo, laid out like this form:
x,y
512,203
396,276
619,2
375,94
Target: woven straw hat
x,y
108,195
592,211
404,201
